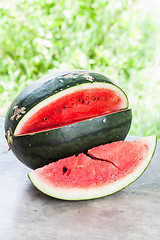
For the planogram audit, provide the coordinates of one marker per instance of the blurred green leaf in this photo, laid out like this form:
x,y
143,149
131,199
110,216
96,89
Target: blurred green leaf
x,y
117,38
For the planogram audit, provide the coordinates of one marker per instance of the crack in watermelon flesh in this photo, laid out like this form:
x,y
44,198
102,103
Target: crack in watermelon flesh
x,y
101,159
71,108
82,177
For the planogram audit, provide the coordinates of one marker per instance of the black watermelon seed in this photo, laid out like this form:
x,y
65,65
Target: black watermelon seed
x,y
64,169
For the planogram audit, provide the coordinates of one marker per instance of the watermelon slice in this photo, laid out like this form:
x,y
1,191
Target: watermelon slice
x,y
104,170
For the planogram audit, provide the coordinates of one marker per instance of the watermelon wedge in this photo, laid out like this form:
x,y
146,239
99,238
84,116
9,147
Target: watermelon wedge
x,y
102,171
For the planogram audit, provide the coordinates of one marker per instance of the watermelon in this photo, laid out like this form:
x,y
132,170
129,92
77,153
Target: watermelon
x,y
65,114
102,171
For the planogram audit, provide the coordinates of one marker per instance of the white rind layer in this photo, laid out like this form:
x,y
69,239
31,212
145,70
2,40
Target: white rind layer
x,y
99,191
69,91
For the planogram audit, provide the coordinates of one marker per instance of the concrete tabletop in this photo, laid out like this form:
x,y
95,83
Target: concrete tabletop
x,y
27,214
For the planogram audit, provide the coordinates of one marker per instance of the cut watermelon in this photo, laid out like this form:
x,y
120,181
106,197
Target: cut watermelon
x,y
65,114
62,99
102,171
75,104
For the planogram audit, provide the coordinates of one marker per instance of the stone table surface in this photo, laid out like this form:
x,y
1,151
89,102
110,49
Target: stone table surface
x,y
27,214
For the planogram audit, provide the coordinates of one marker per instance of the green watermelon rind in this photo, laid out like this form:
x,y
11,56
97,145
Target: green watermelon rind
x,y
41,148
78,194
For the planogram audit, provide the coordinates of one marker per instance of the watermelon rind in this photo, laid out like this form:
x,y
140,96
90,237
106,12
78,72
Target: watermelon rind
x,y
42,148
99,191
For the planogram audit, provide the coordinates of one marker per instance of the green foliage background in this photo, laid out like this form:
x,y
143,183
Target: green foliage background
x,y
117,38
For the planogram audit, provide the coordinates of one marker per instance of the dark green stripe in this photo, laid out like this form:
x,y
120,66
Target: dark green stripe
x,y
71,139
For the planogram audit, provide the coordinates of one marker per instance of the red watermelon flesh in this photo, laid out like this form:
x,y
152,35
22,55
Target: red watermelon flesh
x,y
124,155
104,170
70,108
